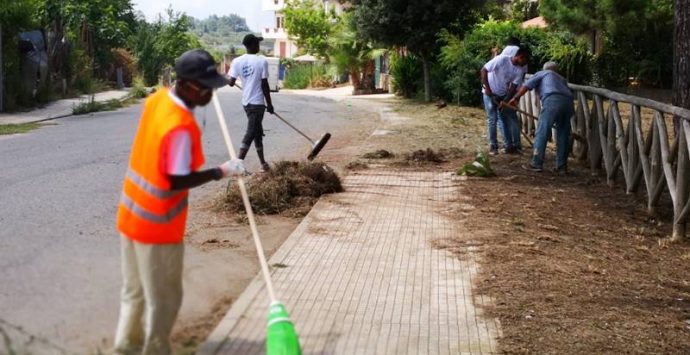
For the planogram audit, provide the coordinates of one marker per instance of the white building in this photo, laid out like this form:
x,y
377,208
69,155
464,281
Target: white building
x,y
283,46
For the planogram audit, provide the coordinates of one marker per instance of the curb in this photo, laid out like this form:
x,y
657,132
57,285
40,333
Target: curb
x,y
219,336
50,118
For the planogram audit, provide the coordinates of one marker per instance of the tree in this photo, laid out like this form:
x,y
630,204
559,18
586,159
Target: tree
x,y
309,25
523,10
158,44
681,58
634,36
413,24
348,52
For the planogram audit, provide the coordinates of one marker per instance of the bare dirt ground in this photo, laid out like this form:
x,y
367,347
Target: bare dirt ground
x,y
572,265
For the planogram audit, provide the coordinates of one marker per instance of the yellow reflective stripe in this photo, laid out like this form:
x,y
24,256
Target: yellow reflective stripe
x,y
150,216
150,188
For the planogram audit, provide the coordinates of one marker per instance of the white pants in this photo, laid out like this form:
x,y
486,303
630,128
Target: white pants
x,y
151,296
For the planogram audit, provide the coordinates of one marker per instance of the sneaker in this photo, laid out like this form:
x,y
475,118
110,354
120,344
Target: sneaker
x,y
265,167
530,167
493,152
562,171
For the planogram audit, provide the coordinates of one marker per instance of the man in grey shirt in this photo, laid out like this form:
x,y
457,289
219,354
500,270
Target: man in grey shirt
x,y
557,108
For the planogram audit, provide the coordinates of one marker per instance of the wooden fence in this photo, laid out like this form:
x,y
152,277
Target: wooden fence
x,y
639,144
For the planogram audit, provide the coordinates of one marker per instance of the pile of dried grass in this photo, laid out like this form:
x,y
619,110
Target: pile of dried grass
x,y
290,188
425,156
379,154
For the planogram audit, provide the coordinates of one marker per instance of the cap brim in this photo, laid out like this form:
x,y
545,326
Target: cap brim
x,y
214,82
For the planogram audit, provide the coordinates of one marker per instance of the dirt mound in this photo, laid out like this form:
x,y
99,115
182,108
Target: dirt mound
x,y
379,154
290,188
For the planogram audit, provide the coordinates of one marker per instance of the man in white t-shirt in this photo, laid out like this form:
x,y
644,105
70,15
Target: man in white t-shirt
x,y
500,77
252,70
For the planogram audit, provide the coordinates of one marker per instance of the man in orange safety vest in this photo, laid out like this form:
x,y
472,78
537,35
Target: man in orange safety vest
x,y
164,164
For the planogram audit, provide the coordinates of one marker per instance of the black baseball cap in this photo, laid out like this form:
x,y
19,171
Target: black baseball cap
x,y
198,65
251,39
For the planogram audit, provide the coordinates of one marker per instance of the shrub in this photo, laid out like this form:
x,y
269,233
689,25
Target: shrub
x,y
406,73
464,58
138,88
302,76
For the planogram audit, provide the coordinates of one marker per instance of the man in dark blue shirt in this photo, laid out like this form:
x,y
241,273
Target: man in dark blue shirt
x,y
557,108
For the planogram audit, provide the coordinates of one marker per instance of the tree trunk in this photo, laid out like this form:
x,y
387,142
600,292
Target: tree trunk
x,y
681,58
355,80
426,66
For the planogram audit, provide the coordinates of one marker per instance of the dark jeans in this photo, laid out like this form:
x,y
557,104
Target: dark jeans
x,y
555,110
255,130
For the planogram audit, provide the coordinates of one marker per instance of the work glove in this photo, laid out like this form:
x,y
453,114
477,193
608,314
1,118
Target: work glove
x,y
270,110
233,167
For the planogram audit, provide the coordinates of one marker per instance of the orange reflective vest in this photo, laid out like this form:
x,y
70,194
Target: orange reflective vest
x,y
149,211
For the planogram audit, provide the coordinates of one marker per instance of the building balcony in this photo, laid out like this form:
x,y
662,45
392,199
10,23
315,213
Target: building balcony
x,y
274,33
272,5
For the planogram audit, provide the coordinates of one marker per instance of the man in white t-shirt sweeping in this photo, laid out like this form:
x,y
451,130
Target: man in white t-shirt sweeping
x,y
252,70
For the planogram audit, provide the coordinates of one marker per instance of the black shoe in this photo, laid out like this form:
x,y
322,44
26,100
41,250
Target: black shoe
x,y
265,167
562,171
530,167
493,152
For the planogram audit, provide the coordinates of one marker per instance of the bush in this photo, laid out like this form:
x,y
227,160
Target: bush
x,y
406,73
464,58
138,88
302,76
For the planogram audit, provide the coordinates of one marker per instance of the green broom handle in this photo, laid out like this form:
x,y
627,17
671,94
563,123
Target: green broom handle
x,y
245,199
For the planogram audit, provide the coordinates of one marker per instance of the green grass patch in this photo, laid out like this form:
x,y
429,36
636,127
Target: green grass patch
x,y
98,106
302,76
17,128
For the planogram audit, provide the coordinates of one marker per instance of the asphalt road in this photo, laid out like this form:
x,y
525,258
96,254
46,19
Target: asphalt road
x,y
59,187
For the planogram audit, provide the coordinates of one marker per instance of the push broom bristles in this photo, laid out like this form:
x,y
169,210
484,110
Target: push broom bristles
x,y
318,146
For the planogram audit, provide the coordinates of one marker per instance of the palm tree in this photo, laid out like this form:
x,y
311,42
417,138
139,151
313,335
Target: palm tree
x,y
350,54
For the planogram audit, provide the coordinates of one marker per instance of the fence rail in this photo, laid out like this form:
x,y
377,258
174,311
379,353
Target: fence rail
x,y
640,149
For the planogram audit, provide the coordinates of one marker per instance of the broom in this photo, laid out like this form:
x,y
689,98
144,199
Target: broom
x,y
281,337
316,146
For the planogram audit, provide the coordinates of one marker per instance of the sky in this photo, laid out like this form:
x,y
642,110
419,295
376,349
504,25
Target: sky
x,y
249,9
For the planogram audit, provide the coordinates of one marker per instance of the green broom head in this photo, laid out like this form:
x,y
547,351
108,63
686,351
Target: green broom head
x,y
281,337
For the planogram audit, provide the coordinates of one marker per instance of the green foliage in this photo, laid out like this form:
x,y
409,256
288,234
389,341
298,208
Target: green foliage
x,y
523,10
221,34
97,25
464,57
481,166
15,16
222,24
347,52
414,25
310,25
96,106
406,73
138,88
302,76
637,36
157,45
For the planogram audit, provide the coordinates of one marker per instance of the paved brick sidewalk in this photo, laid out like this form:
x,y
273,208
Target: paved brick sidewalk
x,y
361,276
